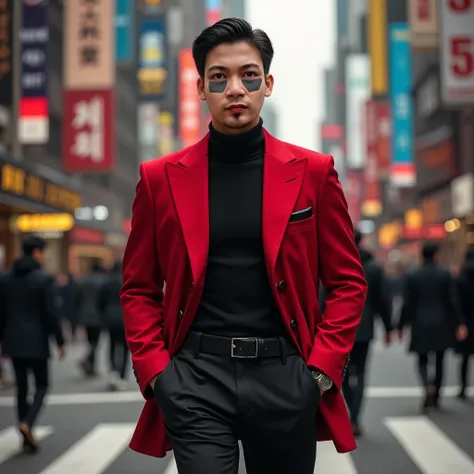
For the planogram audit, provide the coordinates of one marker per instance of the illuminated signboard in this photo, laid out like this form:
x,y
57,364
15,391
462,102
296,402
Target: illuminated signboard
x,y
44,222
18,182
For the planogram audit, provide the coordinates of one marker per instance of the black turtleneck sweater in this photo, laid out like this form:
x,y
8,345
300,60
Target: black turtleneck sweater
x,y
237,299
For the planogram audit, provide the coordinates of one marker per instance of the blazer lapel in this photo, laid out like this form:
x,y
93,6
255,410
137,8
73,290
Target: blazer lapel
x,y
282,178
189,186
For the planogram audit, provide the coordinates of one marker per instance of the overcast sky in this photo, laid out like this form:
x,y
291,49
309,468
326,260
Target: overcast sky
x,y
303,36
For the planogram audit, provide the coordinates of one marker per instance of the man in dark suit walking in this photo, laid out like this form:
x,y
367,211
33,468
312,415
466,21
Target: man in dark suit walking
x,y
28,316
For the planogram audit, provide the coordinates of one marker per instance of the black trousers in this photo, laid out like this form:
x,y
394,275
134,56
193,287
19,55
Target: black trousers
x,y
118,351
354,383
26,412
424,370
209,402
93,337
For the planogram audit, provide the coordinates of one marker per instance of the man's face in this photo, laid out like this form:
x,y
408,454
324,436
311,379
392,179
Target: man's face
x,y
234,86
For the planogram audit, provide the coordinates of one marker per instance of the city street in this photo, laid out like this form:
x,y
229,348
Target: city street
x,y
85,430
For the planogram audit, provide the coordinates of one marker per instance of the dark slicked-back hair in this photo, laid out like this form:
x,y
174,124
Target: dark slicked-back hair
x,y
231,30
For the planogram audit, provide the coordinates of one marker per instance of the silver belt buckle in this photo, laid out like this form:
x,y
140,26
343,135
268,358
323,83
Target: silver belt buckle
x,y
237,356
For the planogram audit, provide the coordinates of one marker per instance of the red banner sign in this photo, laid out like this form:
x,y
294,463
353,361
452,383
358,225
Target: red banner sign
x,y
372,205
353,194
189,103
89,134
383,138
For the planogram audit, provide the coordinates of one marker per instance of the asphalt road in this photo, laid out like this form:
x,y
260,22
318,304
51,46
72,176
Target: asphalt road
x,y
85,430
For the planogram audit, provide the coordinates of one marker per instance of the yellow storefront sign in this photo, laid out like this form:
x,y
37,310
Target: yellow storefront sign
x,y
44,223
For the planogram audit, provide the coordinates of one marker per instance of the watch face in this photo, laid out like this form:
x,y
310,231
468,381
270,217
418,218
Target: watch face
x,y
326,382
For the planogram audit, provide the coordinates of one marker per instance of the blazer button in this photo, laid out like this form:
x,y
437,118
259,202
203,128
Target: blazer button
x,y
281,285
191,286
293,323
180,314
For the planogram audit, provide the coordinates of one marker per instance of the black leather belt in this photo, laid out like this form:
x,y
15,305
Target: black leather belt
x,y
239,347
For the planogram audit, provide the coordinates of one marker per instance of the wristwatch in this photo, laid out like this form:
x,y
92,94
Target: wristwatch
x,y
323,381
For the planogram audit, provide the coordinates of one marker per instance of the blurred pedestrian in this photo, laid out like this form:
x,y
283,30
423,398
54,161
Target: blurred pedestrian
x,y
378,304
67,302
87,299
242,227
431,307
110,307
28,315
465,283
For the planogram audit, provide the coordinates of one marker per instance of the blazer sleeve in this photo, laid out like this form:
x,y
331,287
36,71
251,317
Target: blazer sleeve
x,y
342,276
141,293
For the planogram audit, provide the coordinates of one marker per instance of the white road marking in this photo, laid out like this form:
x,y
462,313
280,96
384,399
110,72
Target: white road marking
x,y
11,440
329,461
135,396
95,452
171,468
428,447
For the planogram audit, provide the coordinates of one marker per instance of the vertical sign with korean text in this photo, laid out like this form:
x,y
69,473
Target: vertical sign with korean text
x,y
372,204
33,116
6,52
423,19
457,52
89,53
358,91
353,193
402,168
189,103
89,118
152,70
124,13
384,133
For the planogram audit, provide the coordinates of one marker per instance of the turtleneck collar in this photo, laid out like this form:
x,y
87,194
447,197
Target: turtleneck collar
x,y
236,148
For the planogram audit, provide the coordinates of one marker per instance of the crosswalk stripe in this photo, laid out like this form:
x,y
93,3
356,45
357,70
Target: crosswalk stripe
x,y
135,396
329,461
95,452
10,440
428,447
171,467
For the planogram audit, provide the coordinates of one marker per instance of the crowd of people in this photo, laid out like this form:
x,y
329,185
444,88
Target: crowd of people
x,y
35,305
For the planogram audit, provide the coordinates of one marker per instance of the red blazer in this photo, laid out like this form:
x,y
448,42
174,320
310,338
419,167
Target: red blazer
x,y
169,243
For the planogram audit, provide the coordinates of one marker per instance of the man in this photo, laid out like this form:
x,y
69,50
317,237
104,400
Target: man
x,y
431,307
378,303
241,226
28,315
88,314
111,313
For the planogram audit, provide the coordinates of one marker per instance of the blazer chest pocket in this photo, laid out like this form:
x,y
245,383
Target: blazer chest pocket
x,y
301,214
300,219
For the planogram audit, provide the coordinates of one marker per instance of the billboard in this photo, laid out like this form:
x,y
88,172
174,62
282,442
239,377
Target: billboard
x,y
423,19
89,53
377,45
124,15
6,55
402,169
33,116
89,133
152,71
358,91
189,103
457,52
